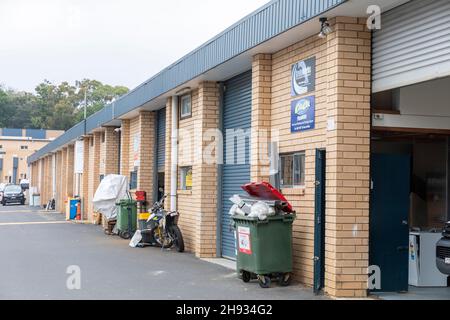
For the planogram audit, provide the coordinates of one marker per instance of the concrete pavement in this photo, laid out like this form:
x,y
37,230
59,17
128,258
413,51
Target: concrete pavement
x,y
36,249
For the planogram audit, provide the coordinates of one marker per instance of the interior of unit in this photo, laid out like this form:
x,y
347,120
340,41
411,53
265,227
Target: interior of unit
x,y
429,154
415,120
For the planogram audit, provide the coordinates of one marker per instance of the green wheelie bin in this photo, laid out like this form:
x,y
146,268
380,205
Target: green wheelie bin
x,y
264,248
127,212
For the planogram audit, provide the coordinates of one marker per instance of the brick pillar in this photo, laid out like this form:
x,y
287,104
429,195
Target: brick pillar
x,y
85,178
64,174
41,179
112,143
146,153
204,171
261,116
47,180
70,170
348,154
125,148
94,175
58,198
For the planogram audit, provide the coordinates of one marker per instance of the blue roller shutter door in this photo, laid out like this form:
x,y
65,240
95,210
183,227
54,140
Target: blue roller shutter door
x,y
161,139
236,116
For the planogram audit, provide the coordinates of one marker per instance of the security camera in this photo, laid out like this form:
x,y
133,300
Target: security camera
x,y
117,130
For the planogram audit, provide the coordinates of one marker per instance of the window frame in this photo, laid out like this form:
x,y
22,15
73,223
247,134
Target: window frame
x,y
183,171
133,182
180,106
302,171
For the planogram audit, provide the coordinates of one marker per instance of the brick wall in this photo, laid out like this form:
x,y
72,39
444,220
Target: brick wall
x,y
342,94
125,148
59,204
85,179
70,171
261,116
111,151
197,207
141,158
348,146
94,174
187,204
205,174
146,153
64,176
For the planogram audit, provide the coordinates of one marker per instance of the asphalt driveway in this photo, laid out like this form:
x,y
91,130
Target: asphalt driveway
x,y
37,248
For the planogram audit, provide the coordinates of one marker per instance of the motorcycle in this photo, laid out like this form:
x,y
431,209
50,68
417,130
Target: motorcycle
x,y
163,228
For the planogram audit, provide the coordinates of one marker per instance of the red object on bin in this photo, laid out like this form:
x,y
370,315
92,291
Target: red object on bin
x,y
141,196
266,191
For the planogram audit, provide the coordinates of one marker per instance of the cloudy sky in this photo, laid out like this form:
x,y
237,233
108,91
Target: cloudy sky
x,y
120,42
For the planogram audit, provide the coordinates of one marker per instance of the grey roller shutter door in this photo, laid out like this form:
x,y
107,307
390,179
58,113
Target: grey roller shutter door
x,y
413,45
236,115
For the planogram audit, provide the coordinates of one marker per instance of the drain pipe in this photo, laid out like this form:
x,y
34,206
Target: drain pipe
x,y
174,155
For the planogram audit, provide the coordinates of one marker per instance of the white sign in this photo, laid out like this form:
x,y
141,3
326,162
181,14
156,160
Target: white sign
x,y
244,240
136,143
79,156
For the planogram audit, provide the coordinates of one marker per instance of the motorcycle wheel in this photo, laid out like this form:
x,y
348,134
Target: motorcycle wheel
x,y
157,234
177,237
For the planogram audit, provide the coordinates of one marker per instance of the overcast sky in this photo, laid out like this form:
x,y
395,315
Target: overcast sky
x,y
119,42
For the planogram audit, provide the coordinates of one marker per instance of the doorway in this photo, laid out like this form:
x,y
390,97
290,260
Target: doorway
x,y
319,222
408,208
389,227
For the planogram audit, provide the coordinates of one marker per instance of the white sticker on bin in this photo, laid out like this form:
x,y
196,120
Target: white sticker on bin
x,y
244,240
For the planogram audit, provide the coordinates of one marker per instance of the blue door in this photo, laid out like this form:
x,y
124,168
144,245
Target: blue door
x,y
237,104
389,210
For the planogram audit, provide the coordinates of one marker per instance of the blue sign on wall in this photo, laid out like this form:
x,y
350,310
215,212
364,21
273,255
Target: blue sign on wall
x,y
303,114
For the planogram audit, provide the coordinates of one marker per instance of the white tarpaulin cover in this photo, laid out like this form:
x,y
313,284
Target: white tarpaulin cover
x,y
112,189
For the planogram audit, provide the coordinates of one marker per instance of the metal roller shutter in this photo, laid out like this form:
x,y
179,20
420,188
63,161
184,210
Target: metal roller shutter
x,y
236,115
413,44
161,140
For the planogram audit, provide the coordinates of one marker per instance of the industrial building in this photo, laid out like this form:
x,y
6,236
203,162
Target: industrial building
x,y
15,147
349,116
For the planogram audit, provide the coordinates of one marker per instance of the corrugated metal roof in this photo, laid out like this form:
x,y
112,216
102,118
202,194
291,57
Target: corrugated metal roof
x,y
265,23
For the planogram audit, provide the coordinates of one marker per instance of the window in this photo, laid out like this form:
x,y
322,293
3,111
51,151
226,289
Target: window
x,y
185,106
186,178
103,137
24,147
292,170
133,180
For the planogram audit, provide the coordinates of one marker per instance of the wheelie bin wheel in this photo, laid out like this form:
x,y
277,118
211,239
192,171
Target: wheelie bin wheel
x,y
246,276
285,279
264,281
125,235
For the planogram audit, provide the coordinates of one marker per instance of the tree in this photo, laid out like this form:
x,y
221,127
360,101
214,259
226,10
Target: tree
x,y
55,106
97,96
16,109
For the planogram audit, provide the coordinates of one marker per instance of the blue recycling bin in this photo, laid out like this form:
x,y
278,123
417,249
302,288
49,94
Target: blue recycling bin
x,y
73,208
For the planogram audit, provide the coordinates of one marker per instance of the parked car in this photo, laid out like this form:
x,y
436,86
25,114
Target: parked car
x,y
443,251
13,194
